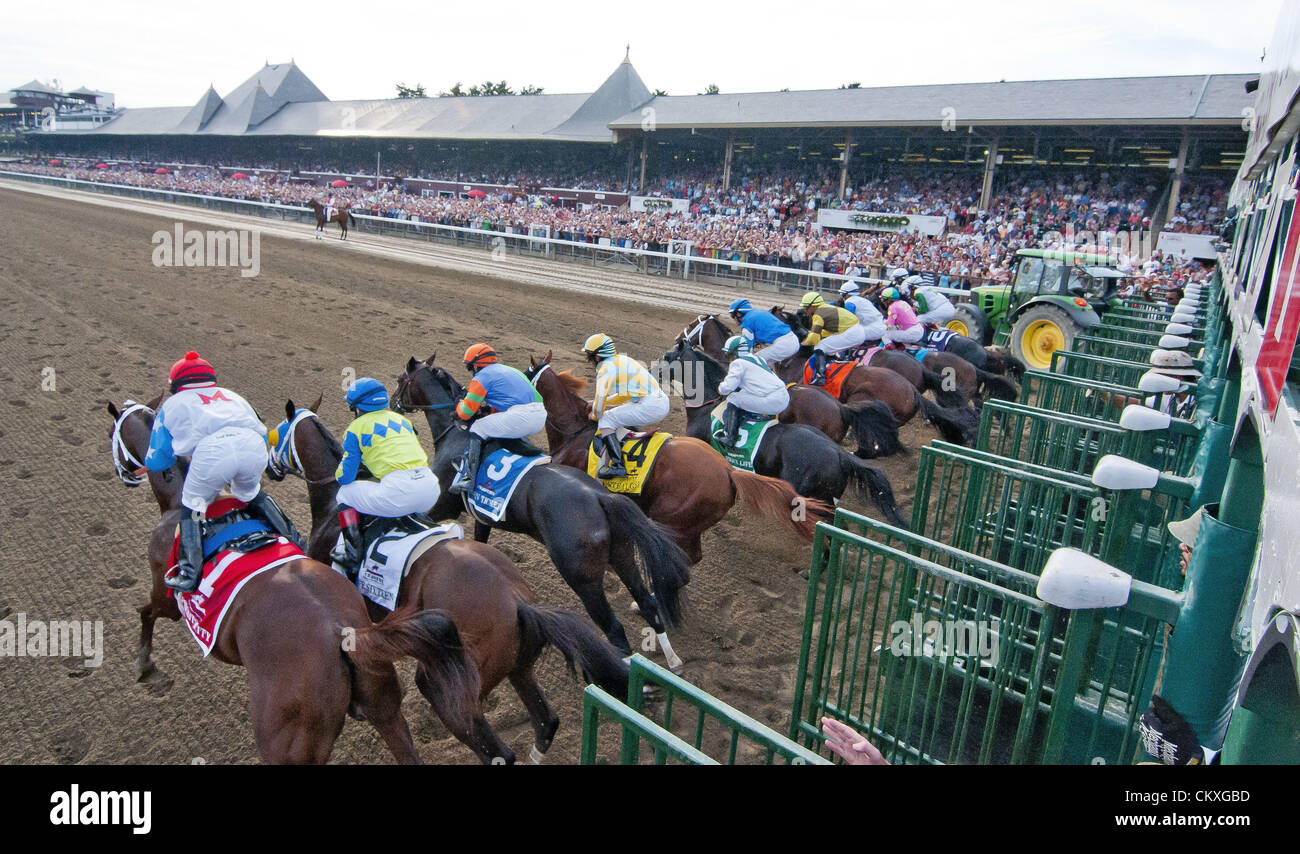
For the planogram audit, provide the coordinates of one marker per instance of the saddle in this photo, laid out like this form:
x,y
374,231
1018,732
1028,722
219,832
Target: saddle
x,y
239,530
519,447
377,528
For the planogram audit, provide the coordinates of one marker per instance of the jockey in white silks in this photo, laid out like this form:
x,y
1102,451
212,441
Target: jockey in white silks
x,y
751,387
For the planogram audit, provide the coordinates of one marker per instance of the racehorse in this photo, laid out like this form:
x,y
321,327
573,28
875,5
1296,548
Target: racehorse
x,y
955,382
585,527
863,385
873,424
691,486
482,591
798,454
302,632
342,215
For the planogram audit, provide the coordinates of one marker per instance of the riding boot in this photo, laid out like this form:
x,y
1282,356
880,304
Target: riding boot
x,y
349,559
731,417
819,368
613,465
189,568
264,505
464,481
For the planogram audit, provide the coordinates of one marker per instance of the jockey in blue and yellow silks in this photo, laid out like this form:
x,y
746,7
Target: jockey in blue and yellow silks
x,y
627,396
384,442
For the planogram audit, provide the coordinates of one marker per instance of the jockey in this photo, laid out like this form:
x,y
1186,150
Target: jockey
x,y
869,317
506,404
329,207
226,443
831,330
400,482
751,386
764,327
627,396
932,307
900,320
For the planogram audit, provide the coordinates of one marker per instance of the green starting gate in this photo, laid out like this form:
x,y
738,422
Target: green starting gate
x,y
1089,398
941,656
716,733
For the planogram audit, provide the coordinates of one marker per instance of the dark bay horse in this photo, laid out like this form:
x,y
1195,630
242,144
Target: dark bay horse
x,y
302,632
503,630
584,527
803,457
864,385
341,215
691,487
872,423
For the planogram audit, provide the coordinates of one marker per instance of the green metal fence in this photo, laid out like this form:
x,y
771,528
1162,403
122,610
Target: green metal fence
x,y
681,724
1087,397
1048,686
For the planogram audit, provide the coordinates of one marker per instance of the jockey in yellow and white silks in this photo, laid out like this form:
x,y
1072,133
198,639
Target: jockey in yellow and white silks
x,y
751,387
832,330
627,396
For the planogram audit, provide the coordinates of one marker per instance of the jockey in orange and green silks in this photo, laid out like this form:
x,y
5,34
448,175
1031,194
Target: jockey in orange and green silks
x,y
500,404
627,397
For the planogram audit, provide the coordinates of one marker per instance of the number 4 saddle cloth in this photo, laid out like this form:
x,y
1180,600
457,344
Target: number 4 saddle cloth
x,y
640,450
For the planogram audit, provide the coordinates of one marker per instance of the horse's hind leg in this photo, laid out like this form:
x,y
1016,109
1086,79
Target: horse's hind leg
x,y
545,721
144,666
379,697
476,733
623,558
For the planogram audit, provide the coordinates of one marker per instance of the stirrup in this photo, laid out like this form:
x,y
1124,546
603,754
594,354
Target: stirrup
x,y
177,580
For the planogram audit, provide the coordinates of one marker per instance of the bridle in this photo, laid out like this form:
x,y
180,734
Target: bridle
x,y
403,384
697,351
122,454
283,458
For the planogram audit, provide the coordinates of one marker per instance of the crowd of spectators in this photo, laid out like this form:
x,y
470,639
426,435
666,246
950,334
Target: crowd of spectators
x,y
764,219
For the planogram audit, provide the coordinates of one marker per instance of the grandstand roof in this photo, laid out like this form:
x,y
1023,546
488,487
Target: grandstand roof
x,y
1190,99
35,86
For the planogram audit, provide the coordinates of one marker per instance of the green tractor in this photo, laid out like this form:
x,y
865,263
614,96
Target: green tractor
x,y
1056,296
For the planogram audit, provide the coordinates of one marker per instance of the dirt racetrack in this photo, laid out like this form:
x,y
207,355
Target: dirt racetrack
x,y
81,297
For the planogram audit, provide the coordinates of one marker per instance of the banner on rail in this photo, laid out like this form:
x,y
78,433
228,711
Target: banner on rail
x,y
931,226
1178,244
654,204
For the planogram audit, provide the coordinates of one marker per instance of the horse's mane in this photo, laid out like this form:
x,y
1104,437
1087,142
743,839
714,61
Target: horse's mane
x,y
571,382
330,442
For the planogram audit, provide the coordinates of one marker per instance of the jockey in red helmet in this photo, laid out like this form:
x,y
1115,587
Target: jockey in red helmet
x,y
226,443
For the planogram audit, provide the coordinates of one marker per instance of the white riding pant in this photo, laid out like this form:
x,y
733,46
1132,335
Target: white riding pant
x,y
903,336
234,457
939,316
873,331
772,403
399,493
780,349
517,422
840,341
639,414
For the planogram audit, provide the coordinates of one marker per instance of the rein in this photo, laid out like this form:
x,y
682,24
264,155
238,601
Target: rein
x,y
398,405
284,457
128,476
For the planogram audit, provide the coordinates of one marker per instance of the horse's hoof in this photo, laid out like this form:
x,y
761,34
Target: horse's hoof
x,y
636,609
536,756
144,672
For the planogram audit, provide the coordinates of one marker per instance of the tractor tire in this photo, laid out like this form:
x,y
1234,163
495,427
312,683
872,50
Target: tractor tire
x,y
972,322
1040,331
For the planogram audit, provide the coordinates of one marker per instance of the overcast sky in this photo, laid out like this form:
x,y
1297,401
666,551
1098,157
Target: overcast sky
x,y
165,54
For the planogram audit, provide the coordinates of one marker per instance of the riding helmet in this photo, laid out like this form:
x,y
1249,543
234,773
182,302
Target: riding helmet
x,y
812,299
740,305
479,355
599,345
190,369
367,395
736,345
849,288
890,294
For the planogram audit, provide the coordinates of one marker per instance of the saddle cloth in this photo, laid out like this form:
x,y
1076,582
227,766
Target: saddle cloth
x,y
389,559
937,338
836,373
499,474
640,450
226,570
750,435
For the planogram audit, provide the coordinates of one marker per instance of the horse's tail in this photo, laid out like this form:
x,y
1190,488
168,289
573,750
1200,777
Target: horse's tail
x,y
999,387
873,481
776,500
930,381
431,638
666,566
585,652
875,429
956,424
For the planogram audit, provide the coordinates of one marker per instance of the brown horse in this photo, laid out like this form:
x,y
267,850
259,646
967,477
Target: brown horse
x,y
691,486
504,632
341,215
872,422
864,385
302,632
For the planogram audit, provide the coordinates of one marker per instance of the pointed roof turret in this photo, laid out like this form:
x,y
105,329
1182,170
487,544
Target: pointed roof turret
x,y
622,92
201,113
